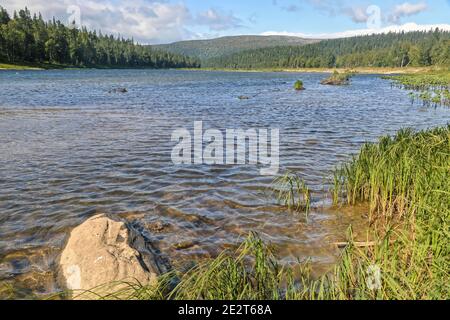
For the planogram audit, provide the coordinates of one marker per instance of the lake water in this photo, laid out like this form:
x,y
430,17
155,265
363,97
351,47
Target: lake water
x,y
70,149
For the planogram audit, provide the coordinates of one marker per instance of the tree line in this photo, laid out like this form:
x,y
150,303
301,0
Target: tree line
x,y
419,48
30,39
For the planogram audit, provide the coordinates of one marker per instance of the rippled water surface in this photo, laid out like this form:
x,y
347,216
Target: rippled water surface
x,y
70,149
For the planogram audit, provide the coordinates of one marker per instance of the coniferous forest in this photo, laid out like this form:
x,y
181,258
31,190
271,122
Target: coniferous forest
x,y
379,50
29,39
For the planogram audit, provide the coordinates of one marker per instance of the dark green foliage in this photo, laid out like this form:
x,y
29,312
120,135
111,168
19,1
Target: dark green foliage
x,y
27,39
382,50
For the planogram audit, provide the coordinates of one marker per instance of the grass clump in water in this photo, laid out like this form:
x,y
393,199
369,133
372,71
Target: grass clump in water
x,y
293,193
431,88
298,85
406,181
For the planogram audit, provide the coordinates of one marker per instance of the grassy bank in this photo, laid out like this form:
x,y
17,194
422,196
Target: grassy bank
x,y
31,66
381,71
51,66
406,181
432,88
6,66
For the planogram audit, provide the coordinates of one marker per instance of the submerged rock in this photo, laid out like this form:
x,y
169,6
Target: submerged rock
x,y
118,90
102,251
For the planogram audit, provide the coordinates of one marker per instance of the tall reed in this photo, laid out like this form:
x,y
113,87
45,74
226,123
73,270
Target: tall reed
x,y
406,181
293,193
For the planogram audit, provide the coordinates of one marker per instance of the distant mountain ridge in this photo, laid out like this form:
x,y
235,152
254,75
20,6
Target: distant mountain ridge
x,y
214,48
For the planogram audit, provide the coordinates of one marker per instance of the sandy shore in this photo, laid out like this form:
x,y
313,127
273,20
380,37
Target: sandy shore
x,y
387,71
371,70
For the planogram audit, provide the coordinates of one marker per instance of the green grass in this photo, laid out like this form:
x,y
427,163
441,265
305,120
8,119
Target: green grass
x,y
406,181
298,85
50,66
32,66
431,88
6,66
293,193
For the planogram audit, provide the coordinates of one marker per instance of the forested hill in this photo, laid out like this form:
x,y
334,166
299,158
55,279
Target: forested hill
x,y
30,39
213,48
383,50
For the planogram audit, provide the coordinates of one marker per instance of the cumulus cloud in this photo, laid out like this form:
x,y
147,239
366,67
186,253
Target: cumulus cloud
x,y
407,27
147,21
357,14
328,6
407,9
217,20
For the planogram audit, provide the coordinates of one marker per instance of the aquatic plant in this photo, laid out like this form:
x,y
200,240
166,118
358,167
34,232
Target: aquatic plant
x,y
293,193
406,181
431,88
298,85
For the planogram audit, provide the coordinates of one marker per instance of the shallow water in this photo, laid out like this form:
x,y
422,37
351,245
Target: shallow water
x,y
70,149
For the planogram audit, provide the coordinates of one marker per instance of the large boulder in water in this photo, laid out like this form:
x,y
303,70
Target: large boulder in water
x,y
105,256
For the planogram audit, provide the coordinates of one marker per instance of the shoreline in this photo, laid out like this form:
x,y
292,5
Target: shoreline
x,y
358,70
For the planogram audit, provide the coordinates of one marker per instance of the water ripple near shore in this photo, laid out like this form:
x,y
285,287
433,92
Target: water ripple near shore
x,y
70,149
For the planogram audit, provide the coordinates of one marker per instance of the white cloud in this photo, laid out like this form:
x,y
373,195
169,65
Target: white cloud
x,y
407,27
147,21
357,14
217,20
407,9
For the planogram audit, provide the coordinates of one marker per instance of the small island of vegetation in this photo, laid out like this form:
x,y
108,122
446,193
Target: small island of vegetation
x,y
298,85
337,79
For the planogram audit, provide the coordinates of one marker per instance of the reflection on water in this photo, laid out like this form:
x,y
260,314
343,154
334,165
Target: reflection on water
x,y
70,149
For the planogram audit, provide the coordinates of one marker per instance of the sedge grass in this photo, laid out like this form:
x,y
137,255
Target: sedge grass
x,y
293,193
406,181
431,88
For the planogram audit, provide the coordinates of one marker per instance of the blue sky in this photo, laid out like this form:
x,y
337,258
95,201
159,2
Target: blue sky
x,y
162,21
317,16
